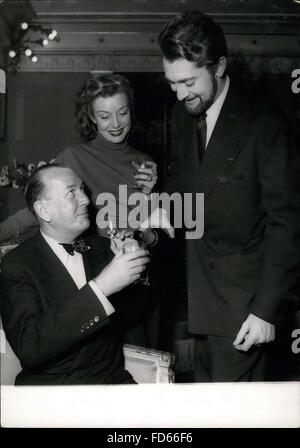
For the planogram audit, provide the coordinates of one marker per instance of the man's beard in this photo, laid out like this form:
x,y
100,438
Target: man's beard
x,y
203,106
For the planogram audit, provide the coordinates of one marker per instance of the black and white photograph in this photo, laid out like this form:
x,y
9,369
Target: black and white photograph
x,y
150,216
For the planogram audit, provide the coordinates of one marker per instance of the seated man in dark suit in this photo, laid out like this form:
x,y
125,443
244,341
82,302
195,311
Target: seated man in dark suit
x,y
54,305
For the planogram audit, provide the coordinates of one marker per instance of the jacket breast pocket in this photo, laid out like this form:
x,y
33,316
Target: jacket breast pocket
x,y
235,178
252,253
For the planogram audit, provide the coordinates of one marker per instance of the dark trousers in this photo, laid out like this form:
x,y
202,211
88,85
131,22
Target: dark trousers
x,y
216,360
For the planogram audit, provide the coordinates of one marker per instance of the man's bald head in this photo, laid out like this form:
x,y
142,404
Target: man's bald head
x,y
55,194
35,189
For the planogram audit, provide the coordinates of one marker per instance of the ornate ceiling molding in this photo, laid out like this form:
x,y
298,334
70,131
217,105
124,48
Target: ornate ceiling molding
x,y
129,7
121,35
88,62
143,62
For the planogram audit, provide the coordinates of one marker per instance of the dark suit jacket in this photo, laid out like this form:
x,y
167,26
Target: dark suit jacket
x,y
248,256
61,335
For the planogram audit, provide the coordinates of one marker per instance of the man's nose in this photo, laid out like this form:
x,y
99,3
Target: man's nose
x,y
182,92
84,200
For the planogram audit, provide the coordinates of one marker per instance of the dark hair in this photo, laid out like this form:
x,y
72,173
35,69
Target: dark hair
x,y
104,86
35,187
193,36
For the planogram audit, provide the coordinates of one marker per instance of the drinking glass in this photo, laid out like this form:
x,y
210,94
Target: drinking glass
x,y
133,246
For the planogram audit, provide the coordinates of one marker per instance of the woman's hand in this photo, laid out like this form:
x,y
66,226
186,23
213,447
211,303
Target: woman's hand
x,y
159,219
145,176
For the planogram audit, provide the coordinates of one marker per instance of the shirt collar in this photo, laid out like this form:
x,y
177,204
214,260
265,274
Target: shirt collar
x,y
57,248
213,112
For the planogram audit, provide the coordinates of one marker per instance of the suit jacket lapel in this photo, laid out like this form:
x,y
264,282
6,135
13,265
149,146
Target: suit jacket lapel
x,y
224,146
49,269
97,257
87,266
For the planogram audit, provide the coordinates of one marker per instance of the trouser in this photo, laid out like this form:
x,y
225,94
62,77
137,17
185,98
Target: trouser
x,y
216,359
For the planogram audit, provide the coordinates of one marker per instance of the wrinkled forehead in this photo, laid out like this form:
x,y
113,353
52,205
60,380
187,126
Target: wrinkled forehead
x,y
60,179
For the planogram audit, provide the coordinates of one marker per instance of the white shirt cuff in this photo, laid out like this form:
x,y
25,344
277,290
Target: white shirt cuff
x,y
109,309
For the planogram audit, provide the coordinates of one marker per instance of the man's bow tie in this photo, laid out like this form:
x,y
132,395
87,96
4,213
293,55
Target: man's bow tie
x,y
78,245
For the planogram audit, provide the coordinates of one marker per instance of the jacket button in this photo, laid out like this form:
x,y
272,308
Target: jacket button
x,y
212,265
91,322
96,318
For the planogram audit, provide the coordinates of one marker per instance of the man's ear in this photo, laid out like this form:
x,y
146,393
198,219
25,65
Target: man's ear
x,y
41,209
221,69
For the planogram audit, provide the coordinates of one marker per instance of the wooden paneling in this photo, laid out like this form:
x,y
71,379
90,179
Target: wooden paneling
x,y
62,7
121,35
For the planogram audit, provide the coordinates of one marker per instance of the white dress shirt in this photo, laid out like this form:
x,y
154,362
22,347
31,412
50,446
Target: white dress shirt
x,y
75,267
213,112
